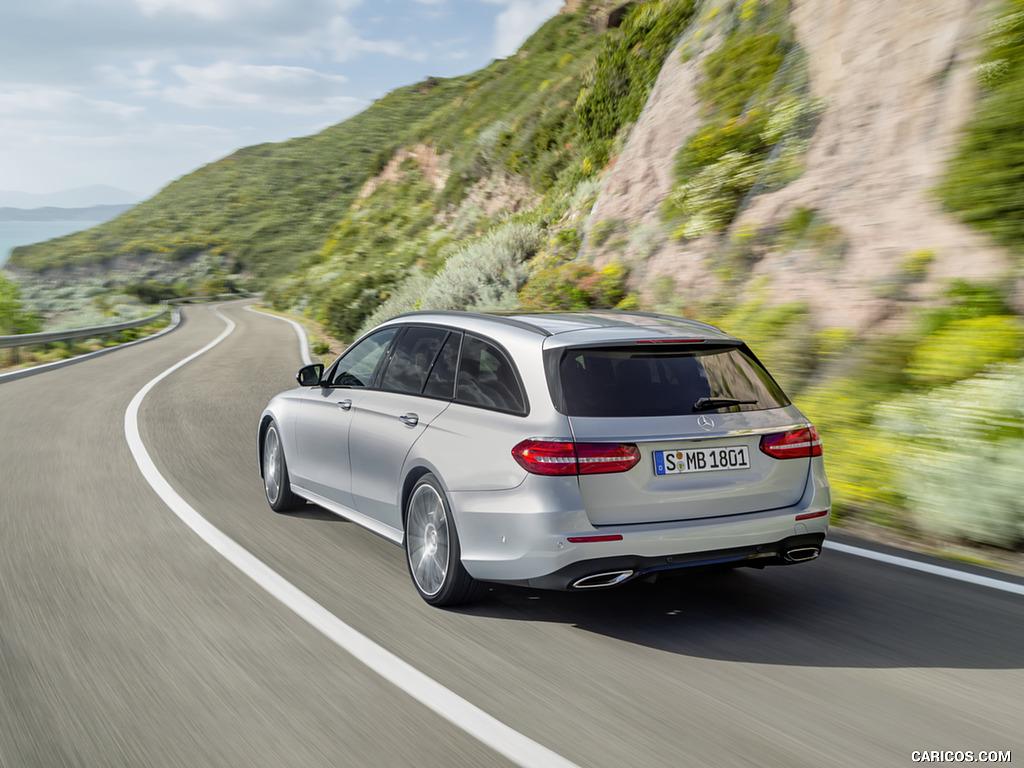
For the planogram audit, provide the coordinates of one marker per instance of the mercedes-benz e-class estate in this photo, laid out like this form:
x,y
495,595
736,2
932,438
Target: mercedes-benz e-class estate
x,y
564,450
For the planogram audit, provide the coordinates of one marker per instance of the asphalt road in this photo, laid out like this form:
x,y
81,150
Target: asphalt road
x,y
125,640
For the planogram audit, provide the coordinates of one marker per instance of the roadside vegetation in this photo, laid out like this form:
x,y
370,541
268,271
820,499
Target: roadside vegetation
x,y
14,318
984,183
492,210
758,117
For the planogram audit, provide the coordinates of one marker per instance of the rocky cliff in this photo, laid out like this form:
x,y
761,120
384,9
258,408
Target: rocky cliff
x,y
897,81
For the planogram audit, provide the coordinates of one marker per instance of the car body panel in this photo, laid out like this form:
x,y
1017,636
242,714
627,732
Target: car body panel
x,y
379,442
641,496
489,465
319,460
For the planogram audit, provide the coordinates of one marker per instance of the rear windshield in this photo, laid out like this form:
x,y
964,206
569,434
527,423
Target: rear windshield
x,y
626,382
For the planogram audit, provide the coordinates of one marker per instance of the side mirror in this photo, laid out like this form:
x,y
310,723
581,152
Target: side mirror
x,y
309,375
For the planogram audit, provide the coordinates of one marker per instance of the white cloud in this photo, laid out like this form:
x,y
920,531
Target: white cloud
x,y
519,20
291,90
62,106
212,10
137,79
346,43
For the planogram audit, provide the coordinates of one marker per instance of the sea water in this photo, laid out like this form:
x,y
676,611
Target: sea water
x,y
15,233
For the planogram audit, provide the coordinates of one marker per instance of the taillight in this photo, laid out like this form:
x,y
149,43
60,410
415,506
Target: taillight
x,y
544,458
600,458
541,457
796,444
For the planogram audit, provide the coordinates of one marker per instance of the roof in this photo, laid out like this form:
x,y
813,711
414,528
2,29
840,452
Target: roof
x,y
585,327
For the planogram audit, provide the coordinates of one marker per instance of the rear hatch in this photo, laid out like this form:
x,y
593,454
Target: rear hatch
x,y
697,414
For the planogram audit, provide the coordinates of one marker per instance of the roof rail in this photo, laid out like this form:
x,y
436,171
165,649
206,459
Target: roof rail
x,y
481,315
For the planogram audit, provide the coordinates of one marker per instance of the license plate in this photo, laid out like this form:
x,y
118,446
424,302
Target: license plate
x,y
700,460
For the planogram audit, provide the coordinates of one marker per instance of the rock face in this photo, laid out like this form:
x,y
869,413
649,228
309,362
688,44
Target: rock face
x,y
432,164
898,82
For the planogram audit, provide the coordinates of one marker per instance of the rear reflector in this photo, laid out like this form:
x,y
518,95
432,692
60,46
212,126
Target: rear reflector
x,y
796,444
812,515
543,457
588,539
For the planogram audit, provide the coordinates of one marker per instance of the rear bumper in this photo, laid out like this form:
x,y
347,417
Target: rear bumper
x,y
521,536
611,571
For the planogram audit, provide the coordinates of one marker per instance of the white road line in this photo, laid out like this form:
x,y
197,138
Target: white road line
x,y
935,570
299,331
470,718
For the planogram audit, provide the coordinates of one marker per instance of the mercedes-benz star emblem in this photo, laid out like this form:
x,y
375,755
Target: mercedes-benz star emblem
x,y
706,423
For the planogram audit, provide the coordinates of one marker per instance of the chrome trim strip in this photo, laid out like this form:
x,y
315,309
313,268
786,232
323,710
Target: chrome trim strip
x,y
376,526
718,435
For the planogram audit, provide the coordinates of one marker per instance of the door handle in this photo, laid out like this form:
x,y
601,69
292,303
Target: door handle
x,y
345,405
409,419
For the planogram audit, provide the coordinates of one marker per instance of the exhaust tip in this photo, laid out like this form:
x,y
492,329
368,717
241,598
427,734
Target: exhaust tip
x,y
801,554
598,580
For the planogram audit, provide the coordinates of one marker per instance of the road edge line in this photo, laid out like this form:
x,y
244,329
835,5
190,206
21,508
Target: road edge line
x,y
935,570
299,331
487,729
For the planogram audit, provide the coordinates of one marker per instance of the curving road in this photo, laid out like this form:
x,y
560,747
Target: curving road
x,y
126,640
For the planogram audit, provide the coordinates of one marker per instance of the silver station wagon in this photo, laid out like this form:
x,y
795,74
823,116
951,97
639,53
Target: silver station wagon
x,y
564,450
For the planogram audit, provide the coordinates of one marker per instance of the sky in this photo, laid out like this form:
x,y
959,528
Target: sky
x,y
136,93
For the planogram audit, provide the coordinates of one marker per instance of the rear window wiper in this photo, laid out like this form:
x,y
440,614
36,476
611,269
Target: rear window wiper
x,y
708,403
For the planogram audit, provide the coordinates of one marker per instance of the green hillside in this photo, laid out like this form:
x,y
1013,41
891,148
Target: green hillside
x,y
265,207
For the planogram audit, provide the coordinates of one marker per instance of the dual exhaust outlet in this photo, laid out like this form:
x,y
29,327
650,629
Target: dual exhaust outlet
x,y
598,580
612,578
801,554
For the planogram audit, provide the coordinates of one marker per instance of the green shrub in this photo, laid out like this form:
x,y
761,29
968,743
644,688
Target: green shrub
x,y
604,229
759,46
153,292
13,316
616,88
575,285
960,457
486,273
961,300
707,201
984,182
809,228
781,335
758,120
963,348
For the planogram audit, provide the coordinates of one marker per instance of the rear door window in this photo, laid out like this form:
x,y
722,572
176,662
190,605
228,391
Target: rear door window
x,y
415,354
441,380
618,382
487,378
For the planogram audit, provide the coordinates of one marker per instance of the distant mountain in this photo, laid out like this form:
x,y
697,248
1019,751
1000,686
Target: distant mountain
x,y
80,197
93,213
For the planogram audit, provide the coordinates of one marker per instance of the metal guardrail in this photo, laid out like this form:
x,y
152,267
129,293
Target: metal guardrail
x,y
49,337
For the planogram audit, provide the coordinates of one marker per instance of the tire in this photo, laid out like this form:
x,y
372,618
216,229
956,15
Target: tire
x,y
432,548
276,484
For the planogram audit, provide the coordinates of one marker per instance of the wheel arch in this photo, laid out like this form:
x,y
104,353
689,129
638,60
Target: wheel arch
x,y
265,421
411,478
